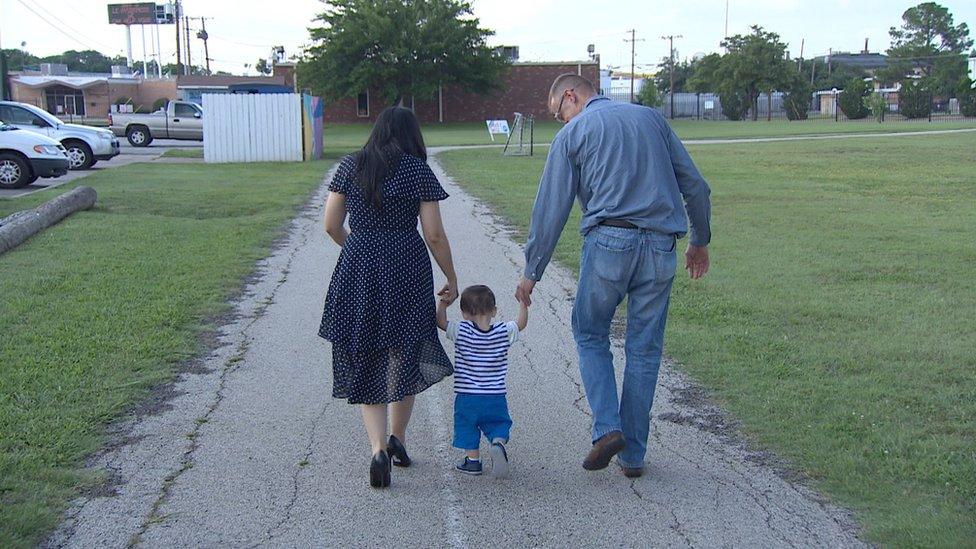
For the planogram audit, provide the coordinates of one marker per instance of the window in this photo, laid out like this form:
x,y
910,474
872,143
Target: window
x,y
64,100
362,104
184,111
20,117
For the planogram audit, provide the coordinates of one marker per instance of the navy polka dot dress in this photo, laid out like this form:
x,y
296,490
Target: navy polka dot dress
x,y
379,310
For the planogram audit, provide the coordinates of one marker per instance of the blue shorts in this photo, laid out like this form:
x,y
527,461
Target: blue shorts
x,y
477,414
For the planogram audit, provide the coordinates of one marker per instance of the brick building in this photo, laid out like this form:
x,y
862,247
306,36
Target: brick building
x,y
524,89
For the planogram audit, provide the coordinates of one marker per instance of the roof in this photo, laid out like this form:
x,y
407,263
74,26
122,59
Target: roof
x,y
866,61
553,63
223,81
77,82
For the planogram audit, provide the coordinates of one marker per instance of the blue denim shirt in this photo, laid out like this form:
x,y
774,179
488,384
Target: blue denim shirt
x,y
621,161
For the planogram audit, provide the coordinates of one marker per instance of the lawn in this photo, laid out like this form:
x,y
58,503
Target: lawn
x,y
837,321
346,137
109,303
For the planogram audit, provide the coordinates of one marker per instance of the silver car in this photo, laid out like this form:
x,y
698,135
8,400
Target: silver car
x,y
85,145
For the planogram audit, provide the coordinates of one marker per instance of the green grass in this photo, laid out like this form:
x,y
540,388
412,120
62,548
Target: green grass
x,y
341,138
107,304
837,321
184,153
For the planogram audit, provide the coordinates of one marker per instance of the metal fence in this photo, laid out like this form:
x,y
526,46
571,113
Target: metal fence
x,y
824,105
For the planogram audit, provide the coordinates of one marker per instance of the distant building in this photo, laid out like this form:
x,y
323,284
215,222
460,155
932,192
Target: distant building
x,y
868,62
86,95
524,89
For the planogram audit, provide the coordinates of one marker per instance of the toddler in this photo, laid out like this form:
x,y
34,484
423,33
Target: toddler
x,y
480,368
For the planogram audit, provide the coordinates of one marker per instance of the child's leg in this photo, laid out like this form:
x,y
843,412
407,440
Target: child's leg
x,y
466,434
495,421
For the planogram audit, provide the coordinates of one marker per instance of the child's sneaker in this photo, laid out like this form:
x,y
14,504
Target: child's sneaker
x,y
499,458
469,466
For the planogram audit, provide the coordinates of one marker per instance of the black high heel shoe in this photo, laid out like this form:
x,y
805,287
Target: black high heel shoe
x,y
398,453
379,470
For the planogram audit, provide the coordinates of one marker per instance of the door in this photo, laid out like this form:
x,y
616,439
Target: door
x,y
187,122
24,119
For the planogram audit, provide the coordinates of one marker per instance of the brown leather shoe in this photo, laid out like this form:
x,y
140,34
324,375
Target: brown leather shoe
x,y
603,451
632,472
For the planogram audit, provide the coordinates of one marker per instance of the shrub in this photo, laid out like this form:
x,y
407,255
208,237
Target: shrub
x,y
797,99
851,100
648,94
735,105
122,100
877,104
914,100
160,103
967,98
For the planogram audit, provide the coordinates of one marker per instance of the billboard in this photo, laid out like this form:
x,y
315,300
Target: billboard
x,y
142,13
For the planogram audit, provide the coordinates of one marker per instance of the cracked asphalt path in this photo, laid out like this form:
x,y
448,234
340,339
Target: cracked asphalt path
x,y
250,449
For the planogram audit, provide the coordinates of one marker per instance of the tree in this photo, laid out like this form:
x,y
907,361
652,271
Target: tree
x,y
798,96
648,94
914,99
262,66
877,104
835,78
683,70
85,61
931,44
851,100
967,97
17,60
753,63
400,48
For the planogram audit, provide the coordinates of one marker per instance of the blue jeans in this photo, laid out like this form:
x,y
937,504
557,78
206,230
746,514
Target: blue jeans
x,y
640,265
477,414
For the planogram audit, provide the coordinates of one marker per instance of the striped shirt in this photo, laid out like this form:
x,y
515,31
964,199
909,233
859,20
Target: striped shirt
x,y
481,358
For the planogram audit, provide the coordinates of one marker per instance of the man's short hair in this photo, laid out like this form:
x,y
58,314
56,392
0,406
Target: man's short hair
x,y
571,81
478,300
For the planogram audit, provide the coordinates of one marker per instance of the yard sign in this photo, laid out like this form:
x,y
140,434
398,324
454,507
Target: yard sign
x,y
497,127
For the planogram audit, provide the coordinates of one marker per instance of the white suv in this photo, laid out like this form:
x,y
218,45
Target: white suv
x,y
85,144
25,156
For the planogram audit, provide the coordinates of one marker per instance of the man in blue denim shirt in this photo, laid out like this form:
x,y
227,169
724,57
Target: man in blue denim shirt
x,y
638,190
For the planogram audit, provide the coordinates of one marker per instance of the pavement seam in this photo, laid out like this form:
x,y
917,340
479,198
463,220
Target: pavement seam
x,y
299,467
231,365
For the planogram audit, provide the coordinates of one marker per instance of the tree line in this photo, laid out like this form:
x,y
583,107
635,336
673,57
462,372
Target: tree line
x,y
927,59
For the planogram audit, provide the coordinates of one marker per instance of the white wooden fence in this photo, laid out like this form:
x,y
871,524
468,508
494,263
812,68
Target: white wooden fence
x,y
252,127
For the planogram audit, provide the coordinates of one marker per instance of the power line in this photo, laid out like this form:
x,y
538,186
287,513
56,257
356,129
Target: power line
x,y
72,29
55,27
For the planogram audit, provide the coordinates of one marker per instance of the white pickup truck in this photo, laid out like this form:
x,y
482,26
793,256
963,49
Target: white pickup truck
x,y
178,120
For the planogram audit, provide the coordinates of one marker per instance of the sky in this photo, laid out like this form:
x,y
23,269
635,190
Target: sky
x,y
241,31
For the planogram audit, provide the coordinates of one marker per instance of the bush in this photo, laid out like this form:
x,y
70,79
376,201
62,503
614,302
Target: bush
x,y
914,100
160,103
877,104
967,98
648,94
735,105
122,100
797,99
851,100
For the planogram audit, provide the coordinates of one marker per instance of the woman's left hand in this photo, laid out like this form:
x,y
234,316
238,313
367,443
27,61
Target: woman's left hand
x,y
448,293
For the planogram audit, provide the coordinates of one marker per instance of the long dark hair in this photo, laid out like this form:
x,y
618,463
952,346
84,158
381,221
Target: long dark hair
x,y
396,132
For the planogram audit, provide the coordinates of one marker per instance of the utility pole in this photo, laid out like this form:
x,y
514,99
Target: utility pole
x,y
633,76
670,38
179,57
186,39
202,35
726,20
799,64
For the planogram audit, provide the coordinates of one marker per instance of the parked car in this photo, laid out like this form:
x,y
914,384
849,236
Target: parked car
x,y
25,156
177,120
85,145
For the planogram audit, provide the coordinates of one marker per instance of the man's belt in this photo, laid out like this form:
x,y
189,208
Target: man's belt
x,y
618,223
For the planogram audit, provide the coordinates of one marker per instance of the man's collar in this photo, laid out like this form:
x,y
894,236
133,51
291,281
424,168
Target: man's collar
x,y
595,98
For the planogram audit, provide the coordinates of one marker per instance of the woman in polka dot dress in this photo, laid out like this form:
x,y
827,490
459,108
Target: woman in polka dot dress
x,y
379,311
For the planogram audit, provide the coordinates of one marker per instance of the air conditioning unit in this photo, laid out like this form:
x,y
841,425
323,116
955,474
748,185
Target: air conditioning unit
x,y
54,69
